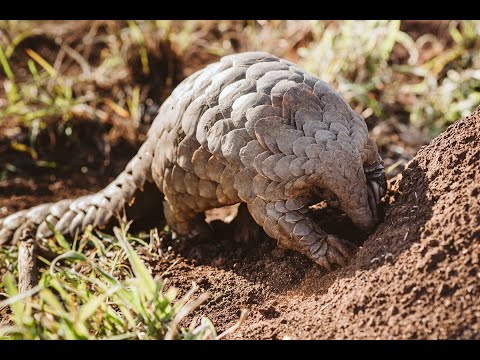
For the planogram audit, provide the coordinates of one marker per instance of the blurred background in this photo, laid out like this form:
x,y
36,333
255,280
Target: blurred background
x,y
77,97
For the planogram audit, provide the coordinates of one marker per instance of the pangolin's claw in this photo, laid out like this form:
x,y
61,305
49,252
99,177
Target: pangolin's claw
x,y
335,257
329,249
345,247
322,261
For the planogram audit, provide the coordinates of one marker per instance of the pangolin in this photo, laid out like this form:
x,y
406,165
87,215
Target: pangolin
x,y
252,129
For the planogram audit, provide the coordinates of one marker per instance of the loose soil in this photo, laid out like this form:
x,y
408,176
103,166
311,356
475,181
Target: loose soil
x,y
415,277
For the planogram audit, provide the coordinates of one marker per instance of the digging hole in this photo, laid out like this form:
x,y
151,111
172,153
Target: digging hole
x,y
332,220
336,222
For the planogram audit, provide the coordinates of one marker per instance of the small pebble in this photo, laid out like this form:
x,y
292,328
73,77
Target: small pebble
x,y
389,257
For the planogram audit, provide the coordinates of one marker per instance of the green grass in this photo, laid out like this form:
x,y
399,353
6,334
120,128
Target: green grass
x,y
353,55
98,288
47,96
356,57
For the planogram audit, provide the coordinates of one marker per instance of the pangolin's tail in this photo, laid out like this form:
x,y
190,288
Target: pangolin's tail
x,y
72,215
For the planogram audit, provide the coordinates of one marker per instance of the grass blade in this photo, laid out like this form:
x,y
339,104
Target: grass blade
x,y
147,283
5,65
42,62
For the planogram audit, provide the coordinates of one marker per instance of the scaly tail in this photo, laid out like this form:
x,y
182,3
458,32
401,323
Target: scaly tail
x,y
70,216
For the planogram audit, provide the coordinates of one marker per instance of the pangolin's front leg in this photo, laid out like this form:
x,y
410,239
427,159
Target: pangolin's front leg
x,y
288,223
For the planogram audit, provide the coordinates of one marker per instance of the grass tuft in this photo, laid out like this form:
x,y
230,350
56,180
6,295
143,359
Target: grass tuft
x,y
104,291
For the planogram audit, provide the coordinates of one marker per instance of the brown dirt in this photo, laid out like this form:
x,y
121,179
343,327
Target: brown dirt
x,y
415,277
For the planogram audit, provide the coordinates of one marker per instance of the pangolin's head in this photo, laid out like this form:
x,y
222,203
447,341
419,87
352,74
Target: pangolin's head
x,y
358,180
342,163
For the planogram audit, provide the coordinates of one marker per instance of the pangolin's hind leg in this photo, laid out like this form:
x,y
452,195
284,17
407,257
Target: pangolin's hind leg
x,y
288,223
185,221
145,208
245,229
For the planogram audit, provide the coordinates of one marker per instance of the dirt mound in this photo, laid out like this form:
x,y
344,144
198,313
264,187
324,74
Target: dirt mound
x,y
416,276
